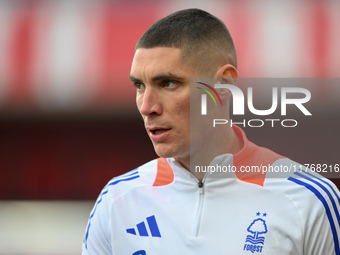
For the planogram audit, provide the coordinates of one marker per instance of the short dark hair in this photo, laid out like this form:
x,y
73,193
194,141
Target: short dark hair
x,y
192,30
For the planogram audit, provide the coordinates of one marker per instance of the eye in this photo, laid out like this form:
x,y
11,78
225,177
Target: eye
x,y
139,86
169,84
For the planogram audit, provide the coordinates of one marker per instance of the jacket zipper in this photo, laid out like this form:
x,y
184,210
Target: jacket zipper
x,y
199,208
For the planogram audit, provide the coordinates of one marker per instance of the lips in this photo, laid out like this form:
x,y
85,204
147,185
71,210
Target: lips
x,y
158,131
158,134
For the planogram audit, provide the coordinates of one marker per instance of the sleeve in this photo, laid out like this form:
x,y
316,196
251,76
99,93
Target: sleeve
x,y
97,239
322,227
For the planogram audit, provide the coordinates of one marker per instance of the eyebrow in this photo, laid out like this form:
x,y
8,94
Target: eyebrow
x,y
134,79
168,76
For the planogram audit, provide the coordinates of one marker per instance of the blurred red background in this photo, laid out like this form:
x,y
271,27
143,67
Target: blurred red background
x,y
68,121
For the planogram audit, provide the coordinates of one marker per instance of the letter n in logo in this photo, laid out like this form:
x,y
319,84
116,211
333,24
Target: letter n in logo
x,y
238,97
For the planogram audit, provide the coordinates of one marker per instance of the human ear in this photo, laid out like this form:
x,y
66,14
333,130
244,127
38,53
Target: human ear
x,y
227,74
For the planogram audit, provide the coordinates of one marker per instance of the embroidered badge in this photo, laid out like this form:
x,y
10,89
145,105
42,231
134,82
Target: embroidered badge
x,y
258,228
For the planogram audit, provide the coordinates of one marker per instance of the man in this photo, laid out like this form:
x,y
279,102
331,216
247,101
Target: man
x,y
162,207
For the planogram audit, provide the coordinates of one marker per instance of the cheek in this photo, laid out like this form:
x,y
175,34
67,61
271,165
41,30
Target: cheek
x,y
183,111
138,102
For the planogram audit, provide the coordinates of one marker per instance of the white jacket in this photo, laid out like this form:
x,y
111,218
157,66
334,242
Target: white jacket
x,y
161,208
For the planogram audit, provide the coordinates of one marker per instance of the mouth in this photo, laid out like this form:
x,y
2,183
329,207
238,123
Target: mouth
x,y
159,131
158,134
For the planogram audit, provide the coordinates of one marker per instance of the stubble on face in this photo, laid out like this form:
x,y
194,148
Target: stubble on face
x,y
164,99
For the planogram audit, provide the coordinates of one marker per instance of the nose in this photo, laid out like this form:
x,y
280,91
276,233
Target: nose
x,y
149,102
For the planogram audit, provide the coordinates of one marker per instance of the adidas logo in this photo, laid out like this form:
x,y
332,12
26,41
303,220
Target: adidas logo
x,y
142,230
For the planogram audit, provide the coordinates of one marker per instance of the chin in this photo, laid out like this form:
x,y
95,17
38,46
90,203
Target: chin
x,y
164,152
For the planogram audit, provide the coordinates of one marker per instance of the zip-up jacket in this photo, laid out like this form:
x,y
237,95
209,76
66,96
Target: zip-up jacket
x,y
252,202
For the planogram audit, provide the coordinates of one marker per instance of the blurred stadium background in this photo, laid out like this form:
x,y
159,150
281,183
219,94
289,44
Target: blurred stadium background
x,y
68,121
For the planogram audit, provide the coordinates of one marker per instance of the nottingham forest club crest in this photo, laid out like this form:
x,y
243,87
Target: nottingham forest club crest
x,y
257,229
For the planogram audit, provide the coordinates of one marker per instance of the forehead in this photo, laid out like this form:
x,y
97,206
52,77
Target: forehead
x,y
159,60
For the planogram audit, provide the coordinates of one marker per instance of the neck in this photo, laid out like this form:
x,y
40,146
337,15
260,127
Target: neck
x,y
203,153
